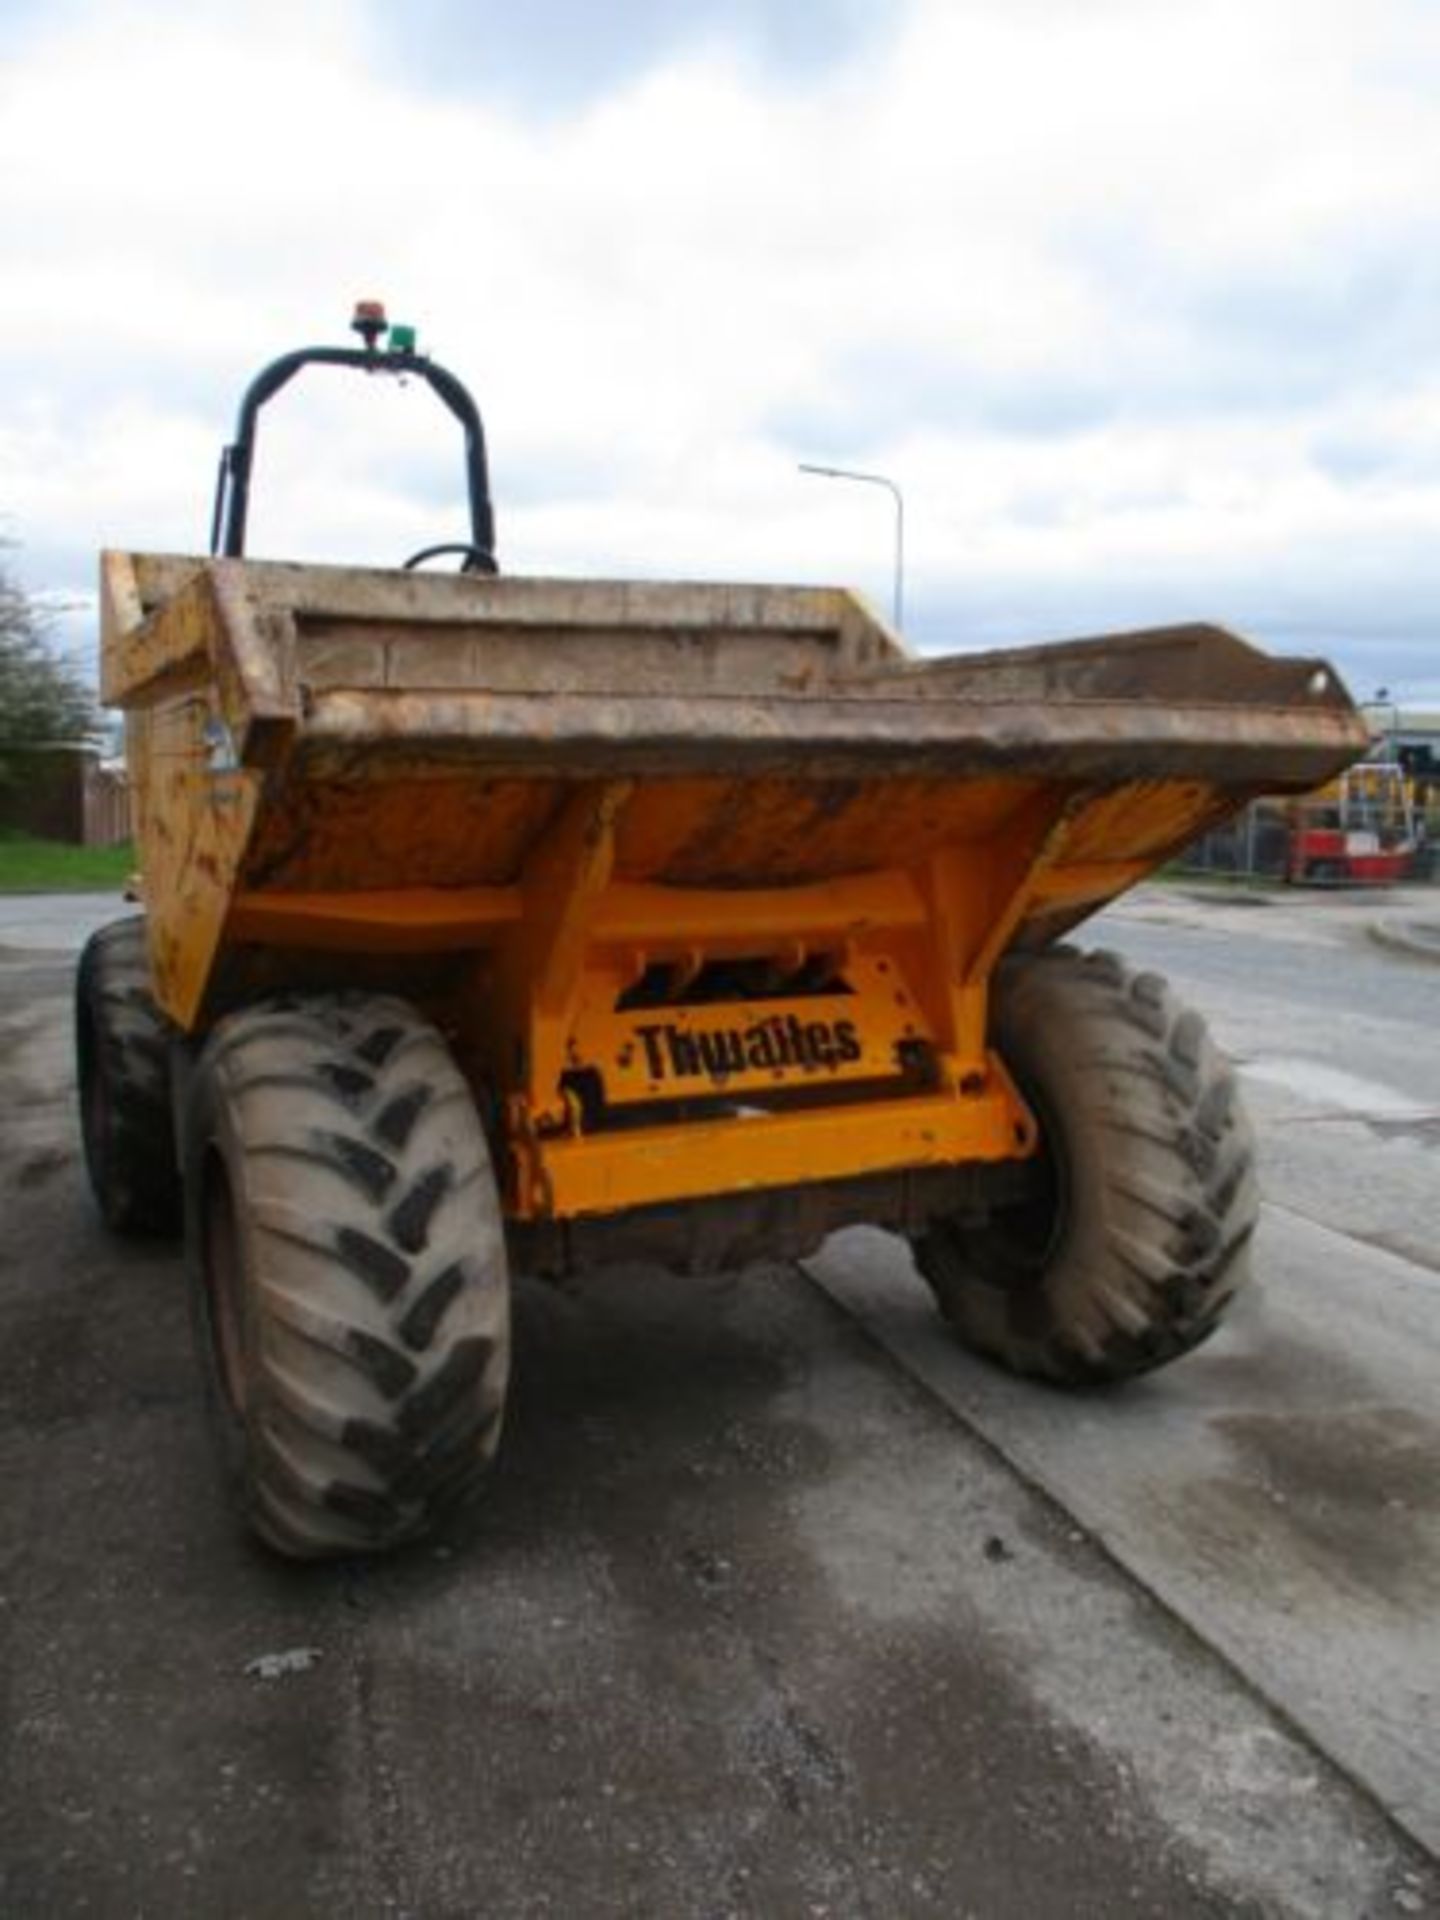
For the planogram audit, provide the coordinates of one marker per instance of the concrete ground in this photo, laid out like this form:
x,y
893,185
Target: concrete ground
x,y
779,1604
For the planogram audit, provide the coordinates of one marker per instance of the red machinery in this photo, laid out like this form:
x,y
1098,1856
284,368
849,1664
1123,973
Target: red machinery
x,y
1357,831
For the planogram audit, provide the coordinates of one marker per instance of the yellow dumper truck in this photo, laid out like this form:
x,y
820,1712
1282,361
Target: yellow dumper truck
x,y
499,924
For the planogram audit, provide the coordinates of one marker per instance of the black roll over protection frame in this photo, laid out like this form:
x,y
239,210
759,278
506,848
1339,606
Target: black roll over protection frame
x,y
232,491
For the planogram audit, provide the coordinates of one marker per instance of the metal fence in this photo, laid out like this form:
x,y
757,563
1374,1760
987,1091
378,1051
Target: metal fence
x,y
1261,844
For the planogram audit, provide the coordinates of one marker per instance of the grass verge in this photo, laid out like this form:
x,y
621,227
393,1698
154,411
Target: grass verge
x,y
28,865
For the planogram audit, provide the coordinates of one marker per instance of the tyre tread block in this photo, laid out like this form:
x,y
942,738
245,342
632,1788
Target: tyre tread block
x,y
380,1247
1155,1245
123,1065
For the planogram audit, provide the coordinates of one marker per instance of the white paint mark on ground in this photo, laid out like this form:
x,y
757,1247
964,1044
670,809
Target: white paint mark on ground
x,y
1336,1089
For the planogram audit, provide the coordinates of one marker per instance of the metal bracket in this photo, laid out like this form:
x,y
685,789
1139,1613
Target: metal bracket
x,y
974,909
542,958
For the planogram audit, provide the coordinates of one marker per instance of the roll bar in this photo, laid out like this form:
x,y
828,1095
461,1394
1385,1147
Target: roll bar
x,y
232,491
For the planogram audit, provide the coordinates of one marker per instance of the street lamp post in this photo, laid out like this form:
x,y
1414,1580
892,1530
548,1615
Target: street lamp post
x,y
876,480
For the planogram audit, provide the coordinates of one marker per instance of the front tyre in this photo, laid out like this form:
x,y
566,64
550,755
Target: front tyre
x,y
348,1271
1134,1233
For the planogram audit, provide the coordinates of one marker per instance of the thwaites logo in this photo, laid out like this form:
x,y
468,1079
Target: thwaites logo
x,y
715,1053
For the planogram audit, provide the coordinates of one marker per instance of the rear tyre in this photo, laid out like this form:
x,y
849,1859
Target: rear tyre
x,y
349,1285
1135,1232
122,1045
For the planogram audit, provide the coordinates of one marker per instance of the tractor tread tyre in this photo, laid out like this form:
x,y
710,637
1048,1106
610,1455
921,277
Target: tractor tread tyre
x,y
350,1295
122,1057
1142,1235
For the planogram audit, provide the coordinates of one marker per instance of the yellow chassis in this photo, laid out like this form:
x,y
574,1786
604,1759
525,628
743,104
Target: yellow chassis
x,y
556,813
911,952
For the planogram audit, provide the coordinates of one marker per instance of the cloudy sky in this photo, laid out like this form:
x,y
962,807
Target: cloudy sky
x,y
1138,301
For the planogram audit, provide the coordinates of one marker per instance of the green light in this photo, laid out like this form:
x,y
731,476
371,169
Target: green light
x,y
402,339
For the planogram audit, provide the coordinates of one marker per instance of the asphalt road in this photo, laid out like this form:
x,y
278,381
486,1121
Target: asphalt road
x,y
778,1604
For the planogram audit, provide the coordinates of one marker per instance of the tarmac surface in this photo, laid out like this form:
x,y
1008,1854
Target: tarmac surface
x,y
778,1604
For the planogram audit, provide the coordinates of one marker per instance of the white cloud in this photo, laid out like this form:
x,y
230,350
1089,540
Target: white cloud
x,y
1136,301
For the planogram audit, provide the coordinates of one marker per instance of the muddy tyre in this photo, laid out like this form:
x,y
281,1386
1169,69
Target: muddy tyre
x,y
1135,1230
122,1064
348,1272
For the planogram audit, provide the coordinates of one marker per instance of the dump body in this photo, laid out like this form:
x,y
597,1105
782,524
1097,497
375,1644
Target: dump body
x,y
707,882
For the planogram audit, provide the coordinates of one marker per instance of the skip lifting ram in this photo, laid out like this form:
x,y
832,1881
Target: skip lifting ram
x,y
497,923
